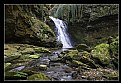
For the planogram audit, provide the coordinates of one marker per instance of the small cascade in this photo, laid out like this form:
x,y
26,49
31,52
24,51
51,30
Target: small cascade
x,y
62,35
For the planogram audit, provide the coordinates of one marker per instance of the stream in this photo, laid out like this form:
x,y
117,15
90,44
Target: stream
x,y
56,70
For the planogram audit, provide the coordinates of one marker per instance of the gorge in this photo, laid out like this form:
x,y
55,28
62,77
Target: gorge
x,y
50,42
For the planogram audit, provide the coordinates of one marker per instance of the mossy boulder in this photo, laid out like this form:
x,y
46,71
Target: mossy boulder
x,y
15,76
71,54
28,51
29,72
41,50
101,54
83,47
39,76
78,63
88,61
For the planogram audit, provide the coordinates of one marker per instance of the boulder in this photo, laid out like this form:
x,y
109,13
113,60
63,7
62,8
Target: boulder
x,y
83,47
15,76
41,50
101,54
39,76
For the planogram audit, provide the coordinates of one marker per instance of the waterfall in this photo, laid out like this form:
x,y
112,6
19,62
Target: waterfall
x,y
62,35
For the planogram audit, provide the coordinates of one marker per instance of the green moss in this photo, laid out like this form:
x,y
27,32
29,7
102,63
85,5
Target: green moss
x,y
29,72
114,51
15,75
78,63
28,51
42,50
88,61
114,47
39,76
101,52
34,56
71,54
83,47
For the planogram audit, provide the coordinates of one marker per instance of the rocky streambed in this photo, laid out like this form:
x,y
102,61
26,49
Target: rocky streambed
x,y
29,62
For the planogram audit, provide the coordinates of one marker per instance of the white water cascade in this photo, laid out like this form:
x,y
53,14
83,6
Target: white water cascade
x,y
62,35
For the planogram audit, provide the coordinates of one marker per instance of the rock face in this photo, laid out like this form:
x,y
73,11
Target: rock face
x,y
22,27
95,32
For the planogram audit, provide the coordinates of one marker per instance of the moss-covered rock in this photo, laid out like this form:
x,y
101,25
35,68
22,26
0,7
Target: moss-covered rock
x,y
78,63
28,51
15,76
101,53
7,66
71,54
39,76
11,58
29,72
88,61
34,56
41,50
83,47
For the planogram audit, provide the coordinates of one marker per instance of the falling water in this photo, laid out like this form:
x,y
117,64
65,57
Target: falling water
x,y
62,35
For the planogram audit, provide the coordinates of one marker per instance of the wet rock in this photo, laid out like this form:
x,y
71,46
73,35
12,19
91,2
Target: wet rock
x,y
42,67
74,74
8,59
17,69
84,77
56,60
68,70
